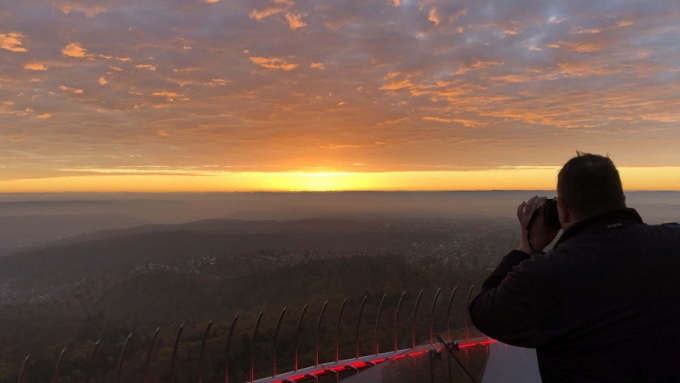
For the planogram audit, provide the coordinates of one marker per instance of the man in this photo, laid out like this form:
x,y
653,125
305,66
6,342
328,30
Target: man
x,y
604,304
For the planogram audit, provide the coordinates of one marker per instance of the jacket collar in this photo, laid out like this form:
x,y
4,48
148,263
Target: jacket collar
x,y
609,218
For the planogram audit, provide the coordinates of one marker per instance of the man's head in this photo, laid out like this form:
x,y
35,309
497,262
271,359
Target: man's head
x,y
586,185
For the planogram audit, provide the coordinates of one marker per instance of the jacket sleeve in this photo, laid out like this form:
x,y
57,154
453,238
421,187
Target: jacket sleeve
x,y
515,303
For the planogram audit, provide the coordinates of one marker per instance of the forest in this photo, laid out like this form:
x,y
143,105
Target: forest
x,y
132,285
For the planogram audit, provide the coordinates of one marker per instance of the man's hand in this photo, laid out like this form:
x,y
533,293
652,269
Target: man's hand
x,y
536,237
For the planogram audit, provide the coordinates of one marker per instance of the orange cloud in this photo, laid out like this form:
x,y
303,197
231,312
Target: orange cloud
x,y
72,90
295,21
36,66
279,6
396,81
669,117
433,16
74,50
317,66
273,63
146,66
170,96
90,10
12,42
582,46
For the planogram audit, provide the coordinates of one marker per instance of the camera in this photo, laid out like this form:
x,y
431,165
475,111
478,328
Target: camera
x,y
550,217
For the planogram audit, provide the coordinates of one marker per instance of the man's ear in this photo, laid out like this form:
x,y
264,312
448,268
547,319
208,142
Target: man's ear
x,y
566,219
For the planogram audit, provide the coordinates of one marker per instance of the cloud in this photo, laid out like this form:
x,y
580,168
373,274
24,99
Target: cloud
x,y
668,117
70,6
44,116
149,67
433,16
74,50
12,42
265,80
396,81
273,63
278,6
295,21
437,119
582,46
71,90
170,96
35,66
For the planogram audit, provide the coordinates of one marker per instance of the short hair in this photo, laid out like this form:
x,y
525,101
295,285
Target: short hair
x,y
590,184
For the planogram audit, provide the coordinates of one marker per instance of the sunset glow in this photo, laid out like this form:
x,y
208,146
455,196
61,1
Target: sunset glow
x,y
660,178
369,95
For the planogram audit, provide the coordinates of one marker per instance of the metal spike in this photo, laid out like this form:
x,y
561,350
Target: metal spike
x,y
122,356
396,321
337,333
434,302
415,315
361,311
297,334
200,357
226,350
59,363
252,348
448,313
148,355
377,325
174,352
276,338
316,336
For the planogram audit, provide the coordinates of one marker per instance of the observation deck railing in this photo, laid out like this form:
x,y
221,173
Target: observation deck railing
x,y
466,339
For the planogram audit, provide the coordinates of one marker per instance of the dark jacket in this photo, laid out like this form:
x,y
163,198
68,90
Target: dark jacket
x,y
602,306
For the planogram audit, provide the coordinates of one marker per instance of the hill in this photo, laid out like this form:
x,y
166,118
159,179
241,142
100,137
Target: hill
x,y
105,284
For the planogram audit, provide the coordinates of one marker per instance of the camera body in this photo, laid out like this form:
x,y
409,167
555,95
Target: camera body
x,y
550,217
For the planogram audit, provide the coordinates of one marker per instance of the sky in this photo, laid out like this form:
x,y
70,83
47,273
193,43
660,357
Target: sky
x,y
243,95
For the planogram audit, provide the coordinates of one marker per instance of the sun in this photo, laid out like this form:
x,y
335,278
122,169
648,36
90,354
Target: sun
x,y
318,181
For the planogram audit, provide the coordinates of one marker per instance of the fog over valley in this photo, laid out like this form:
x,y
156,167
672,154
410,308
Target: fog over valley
x,y
33,219
77,267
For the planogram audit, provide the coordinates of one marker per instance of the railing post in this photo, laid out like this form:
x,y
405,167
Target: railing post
x,y
122,356
337,332
148,355
252,348
377,325
467,310
55,378
200,356
90,368
174,352
434,302
361,311
316,336
448,313
396,322
415,315
22,372
226,349
297,334
276,338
